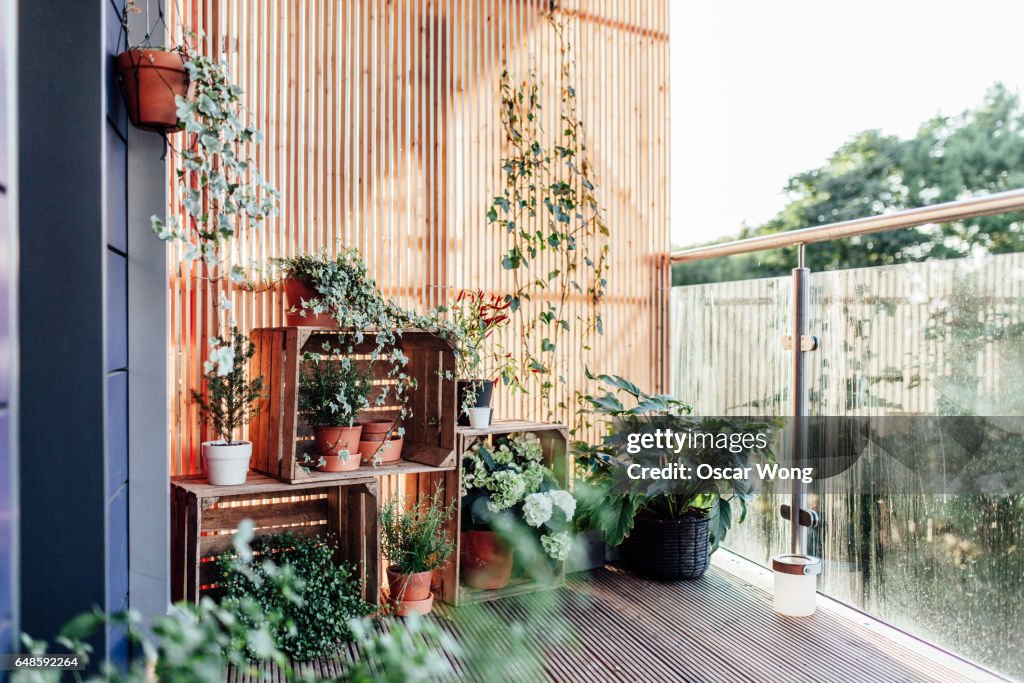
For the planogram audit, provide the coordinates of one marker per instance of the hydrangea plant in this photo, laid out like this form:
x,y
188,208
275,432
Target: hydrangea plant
x,y
510,480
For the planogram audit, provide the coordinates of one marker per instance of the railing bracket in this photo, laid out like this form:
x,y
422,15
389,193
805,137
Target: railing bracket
x,y
807,342
808,518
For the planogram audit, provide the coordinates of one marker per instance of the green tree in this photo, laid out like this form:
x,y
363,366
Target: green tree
x,y
978,151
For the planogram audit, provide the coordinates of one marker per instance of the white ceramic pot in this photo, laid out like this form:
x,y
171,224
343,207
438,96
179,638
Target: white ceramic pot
x,y
227,464
479,417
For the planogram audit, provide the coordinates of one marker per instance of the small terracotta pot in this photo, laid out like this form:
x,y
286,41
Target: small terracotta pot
x,y
390,450
407,608
295,292
332,443
409,587
376,430
150,80
485,560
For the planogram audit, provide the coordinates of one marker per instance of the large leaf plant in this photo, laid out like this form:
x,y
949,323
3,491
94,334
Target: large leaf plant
x,y
610,501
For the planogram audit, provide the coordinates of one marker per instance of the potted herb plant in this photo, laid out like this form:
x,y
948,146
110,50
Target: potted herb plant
x,y
416,541
332,391
229,402
506,487
667,528
474,317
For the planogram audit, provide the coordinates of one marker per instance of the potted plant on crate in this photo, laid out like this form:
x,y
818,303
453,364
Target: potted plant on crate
x,y
229,402
332,391
507,490
474,317
416,541
667,527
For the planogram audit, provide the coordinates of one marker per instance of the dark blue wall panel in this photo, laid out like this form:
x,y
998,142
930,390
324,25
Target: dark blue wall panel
x,y
117,311
117,431
117,199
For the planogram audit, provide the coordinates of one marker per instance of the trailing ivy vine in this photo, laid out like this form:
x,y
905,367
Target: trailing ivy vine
x,y
549,208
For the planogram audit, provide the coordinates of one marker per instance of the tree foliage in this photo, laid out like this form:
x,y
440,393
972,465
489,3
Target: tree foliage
x,y
976,152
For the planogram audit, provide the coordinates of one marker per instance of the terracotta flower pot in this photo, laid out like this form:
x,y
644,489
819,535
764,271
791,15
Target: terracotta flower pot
x,y
406,587
390,450
485,560
295,292
150,80
376,430
407,608
333,444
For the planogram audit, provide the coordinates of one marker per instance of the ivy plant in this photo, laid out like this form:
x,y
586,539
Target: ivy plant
x,y
220,191
548,207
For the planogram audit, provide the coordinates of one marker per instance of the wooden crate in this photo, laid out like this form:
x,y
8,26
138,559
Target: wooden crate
x,y
554,439
204,517
280,438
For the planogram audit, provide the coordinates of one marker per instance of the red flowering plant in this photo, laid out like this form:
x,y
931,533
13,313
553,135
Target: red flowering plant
x,y
472,318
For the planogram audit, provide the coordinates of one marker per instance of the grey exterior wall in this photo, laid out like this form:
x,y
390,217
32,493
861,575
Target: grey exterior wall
x,y
8,334
73,313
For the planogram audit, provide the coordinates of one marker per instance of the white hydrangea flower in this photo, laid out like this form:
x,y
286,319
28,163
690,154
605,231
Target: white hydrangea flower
x,y
564,501
537,509
557,546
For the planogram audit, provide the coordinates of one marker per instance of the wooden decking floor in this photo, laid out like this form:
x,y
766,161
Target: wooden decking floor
x,y
618,627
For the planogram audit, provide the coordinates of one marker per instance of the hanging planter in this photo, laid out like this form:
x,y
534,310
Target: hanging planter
x,y
150,81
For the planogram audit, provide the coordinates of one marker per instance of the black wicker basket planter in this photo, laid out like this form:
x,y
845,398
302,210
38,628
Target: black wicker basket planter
x,y
668,549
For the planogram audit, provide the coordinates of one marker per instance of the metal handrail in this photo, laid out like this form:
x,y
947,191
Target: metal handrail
x,y
989,205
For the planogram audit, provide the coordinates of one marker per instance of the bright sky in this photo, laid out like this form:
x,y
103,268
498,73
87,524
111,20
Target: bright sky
x,y
763,90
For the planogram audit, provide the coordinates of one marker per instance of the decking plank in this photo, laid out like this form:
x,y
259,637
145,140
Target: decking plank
x,y
719,629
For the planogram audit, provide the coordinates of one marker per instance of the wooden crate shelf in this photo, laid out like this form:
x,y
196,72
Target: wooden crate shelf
x,y
280,439
204,517
554,440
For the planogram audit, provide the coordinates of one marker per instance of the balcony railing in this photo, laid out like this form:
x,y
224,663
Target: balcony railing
x,y
936,340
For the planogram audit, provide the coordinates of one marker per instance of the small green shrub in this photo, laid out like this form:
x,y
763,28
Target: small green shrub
x,y
328,595
417,540
332,392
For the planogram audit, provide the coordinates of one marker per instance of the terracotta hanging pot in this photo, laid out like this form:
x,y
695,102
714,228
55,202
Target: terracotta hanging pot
x,y
150,81
338,446
295,292
485,560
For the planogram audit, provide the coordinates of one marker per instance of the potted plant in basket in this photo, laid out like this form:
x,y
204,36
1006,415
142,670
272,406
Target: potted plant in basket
x,y
474,317
667,528
417,543
332,391
227,405
505,488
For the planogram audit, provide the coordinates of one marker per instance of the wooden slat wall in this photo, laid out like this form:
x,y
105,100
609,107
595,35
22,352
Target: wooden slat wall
x,y
382,132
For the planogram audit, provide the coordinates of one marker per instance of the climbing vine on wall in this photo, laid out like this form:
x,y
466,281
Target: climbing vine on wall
x,y
548,205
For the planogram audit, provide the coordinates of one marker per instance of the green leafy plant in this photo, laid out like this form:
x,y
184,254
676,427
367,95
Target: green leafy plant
x,y
332,389
230,398
610,500
508,485
416,540
311,599
548,207
348,294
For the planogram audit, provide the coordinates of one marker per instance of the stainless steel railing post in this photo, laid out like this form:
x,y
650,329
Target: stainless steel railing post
x,y
801,290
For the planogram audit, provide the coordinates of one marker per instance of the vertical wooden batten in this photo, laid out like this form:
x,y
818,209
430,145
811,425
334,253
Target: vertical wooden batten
x,y
382,132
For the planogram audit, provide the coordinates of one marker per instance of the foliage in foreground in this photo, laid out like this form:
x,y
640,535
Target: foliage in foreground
x,y
198,643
